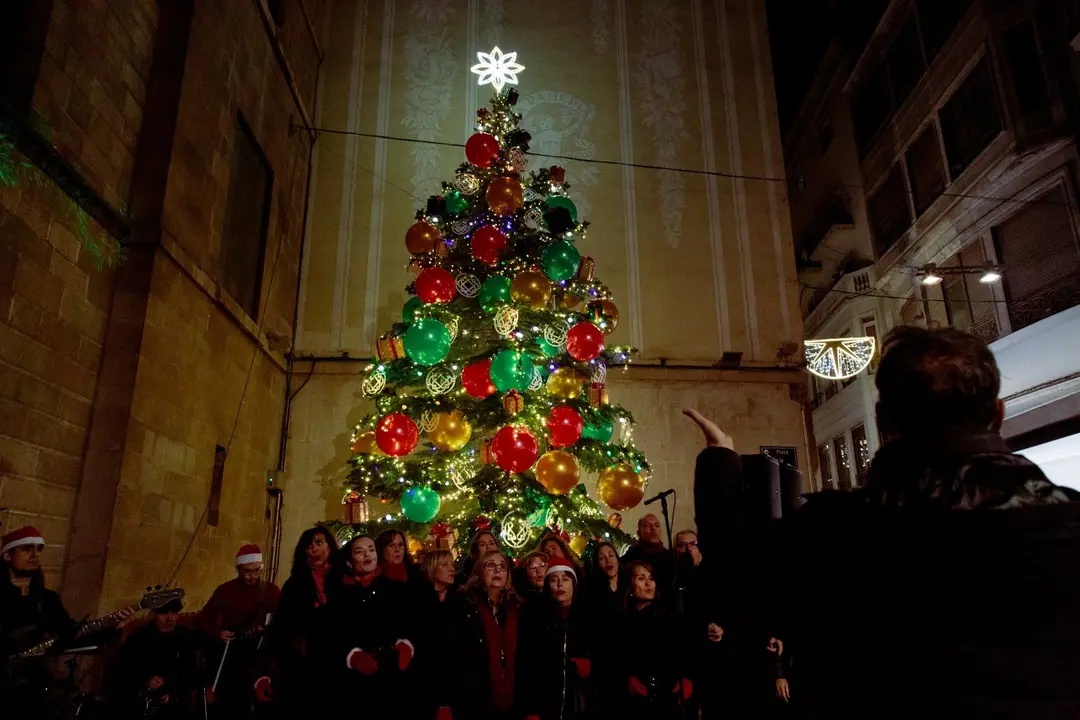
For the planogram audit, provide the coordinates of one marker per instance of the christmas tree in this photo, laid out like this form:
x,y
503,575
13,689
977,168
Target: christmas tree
x,y
489,394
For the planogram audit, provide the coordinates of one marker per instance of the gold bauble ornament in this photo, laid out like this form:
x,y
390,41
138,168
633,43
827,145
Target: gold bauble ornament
x,y
505,195
365,444
532,287
569,301
620,487
604,315
415,547
558,472
422,238
565,383
451,432
578,543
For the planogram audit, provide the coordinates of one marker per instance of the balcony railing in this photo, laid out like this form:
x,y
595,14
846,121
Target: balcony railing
x,y
1051,300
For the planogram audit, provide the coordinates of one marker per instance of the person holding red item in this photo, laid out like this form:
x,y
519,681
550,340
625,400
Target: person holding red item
x,y
555,666
288,673
652,656
490,638
366,641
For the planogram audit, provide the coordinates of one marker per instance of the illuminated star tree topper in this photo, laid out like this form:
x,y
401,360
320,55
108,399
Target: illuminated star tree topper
x,y
497,69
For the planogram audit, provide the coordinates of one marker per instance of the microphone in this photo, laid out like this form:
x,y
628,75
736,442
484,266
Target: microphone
x,y
664,494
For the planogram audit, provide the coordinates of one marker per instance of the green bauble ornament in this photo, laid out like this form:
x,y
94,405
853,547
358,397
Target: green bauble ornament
x,y
420,504
599,430
561,260
562,201
427,341
408,313
494,291
456,203
511,370
546,348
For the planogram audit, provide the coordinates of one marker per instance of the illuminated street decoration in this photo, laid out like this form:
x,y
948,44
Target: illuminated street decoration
x,y
838,358
497,69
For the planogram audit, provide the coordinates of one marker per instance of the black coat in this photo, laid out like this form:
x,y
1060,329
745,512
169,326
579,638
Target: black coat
x,y
26,620
475,657
652,649
373,618
287,656
441,638
148,652
549,684
945,588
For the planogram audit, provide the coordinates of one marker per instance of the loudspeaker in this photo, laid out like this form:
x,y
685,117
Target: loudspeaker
x,y
791,489
761,482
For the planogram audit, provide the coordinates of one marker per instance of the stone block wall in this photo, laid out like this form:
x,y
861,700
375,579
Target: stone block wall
x,y
53,304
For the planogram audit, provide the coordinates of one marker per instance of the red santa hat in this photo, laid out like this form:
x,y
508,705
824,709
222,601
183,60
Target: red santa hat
x,y
248,554
560,564
23,536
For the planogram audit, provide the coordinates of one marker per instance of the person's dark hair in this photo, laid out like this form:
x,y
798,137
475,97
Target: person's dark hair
x,y
930,380
567,552
37,577
573,580
628,593
342,556
594,563
385,538
299,558
474,546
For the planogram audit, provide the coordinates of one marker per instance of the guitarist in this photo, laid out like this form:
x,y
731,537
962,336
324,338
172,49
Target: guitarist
x,y
29,613
234,618
156,671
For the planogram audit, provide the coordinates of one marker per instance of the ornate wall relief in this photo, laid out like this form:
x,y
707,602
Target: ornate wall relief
x,y
559,124
430,68
661,91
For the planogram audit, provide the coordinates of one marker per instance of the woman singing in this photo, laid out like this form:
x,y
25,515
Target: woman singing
x,y
555,650
492,637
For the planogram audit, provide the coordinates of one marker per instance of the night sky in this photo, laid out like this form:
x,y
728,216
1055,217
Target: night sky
x,y
799,32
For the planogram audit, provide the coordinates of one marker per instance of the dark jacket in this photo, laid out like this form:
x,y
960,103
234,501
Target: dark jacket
x,y
947,587
373,618
550,685
441,632
149,652
26,620
651,648
287,652
477,650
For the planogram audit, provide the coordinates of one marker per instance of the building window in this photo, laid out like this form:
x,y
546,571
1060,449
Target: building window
x,y
1029,79
905,61
247,217
926,171
869,109
1038,249
971,305
937,20
828,480
861,450
869,329
970,119
843,462
888,209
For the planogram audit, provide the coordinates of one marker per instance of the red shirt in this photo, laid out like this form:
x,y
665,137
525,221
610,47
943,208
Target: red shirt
x,y
237,607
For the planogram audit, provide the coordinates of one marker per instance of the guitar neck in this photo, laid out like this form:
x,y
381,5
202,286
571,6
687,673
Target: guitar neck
x,y
102,622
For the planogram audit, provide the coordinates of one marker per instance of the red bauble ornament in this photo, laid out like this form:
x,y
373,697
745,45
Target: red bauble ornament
x,y
515,448
488,244
476,379
584,341
396,434
436,285
564,426
482,149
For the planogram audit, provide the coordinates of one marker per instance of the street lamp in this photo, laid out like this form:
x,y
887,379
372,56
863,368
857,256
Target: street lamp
x,y
990,275
930,275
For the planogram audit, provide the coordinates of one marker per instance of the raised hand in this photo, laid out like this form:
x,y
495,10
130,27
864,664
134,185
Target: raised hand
x,y
714,436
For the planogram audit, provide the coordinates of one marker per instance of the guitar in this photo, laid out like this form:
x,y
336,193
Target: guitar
x,y
153,599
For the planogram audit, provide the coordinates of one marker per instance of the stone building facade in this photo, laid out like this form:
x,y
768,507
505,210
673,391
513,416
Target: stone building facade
x,y
170,127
